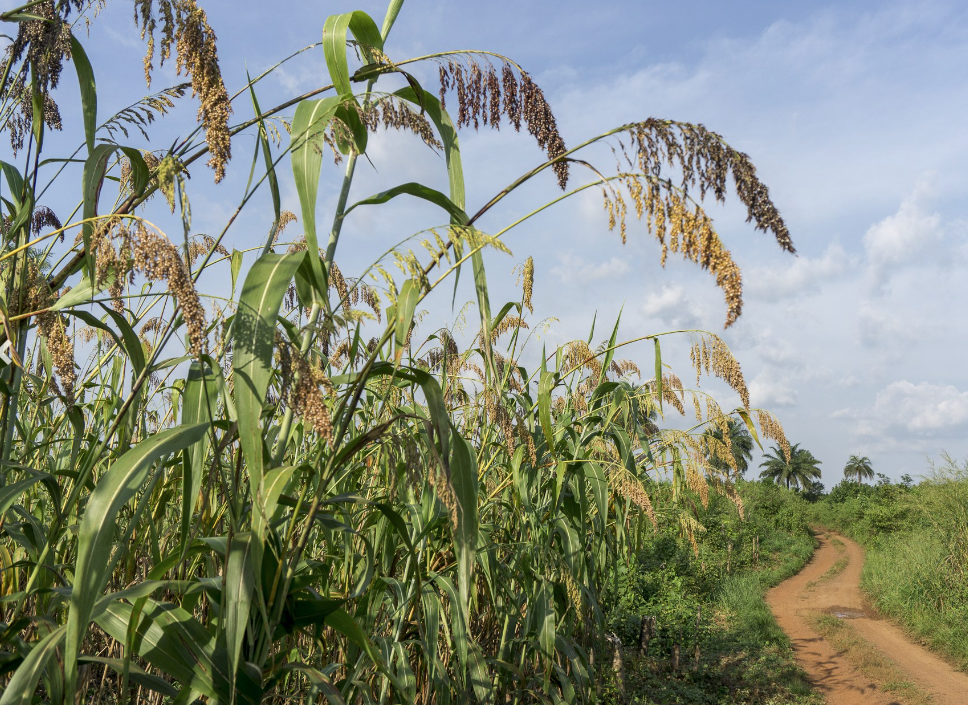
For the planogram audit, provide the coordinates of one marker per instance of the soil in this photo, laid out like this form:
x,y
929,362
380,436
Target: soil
x,y
840,595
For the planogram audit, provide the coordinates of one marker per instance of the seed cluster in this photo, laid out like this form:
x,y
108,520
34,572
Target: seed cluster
x,y
391,112
528,276
771,428
479,100
158,260
625,368
579,355
185,25
44,217
629,487
710,353
43,44
706,161
307,400
508,323
52,327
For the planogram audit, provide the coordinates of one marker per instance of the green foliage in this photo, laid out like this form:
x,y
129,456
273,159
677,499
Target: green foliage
x,y
744,656
796,471
740,446
295,493
858,468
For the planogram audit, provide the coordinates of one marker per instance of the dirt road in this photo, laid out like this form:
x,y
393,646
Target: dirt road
x,y
815,590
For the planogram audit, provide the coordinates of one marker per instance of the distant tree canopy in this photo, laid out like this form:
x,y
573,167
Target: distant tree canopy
x,y
797,473
858,468
740,443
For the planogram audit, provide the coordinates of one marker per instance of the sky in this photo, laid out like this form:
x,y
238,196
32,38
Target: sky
x,y
853,114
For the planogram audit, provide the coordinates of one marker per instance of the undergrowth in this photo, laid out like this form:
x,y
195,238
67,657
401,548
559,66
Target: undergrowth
x,y
744,656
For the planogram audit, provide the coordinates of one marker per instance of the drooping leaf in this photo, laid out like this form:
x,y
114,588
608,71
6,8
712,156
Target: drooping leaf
x,y
253,336
308,125
85,77
97,527
20,690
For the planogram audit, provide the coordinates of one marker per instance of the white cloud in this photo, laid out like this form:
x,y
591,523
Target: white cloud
x,y
876,327
805,274
671,305
921,408
900,238
577,270
770,390
907,415
669,299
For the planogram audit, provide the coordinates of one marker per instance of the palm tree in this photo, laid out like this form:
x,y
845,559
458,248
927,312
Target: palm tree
x,y
858,468
741,443
799,472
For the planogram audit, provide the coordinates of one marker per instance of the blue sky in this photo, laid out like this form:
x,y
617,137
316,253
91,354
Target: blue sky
x,y
852,112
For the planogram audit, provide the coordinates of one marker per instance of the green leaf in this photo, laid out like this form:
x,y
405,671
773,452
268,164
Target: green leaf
x,y
340,620
239,586
610,353
15,182
253,335
463,476
20,690
263,138
273,484
308,126
545,386
85,76
236,265
136,673
405,306
10,493
199,400
418,191
140,173
365,31
171,640
658,372
92,178
430,106
97,527
349,114
743,414
82,293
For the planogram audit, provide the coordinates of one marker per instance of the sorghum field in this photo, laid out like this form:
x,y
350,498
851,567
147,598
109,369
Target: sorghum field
x,y
286,489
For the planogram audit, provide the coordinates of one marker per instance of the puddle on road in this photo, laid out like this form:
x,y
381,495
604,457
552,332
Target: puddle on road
x,y
846,613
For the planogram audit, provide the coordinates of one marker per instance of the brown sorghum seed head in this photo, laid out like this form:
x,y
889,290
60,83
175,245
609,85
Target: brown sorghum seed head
x,y
157,259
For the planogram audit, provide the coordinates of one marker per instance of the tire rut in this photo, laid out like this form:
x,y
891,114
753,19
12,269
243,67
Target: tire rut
x,y
810,591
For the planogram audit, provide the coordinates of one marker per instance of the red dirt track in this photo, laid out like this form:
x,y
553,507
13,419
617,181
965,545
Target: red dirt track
x,y
828,670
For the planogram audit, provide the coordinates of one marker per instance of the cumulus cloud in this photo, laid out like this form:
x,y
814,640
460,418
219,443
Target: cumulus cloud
x,y
876,327
922,408
672,305
771,389
804,275
901,238
904,413
578,270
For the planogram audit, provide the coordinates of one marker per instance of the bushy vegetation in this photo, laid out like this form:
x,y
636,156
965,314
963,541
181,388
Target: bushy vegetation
x,y
710,595
916,538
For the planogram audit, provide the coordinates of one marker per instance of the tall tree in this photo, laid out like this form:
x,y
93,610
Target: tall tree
x,y
858,468
740,442
798,472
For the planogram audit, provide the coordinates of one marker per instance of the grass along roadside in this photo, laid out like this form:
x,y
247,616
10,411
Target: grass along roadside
x,y
867,658
915,539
